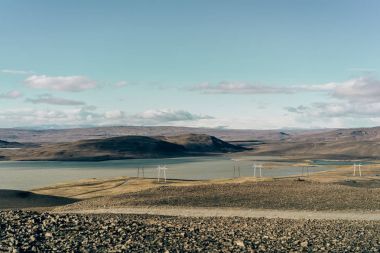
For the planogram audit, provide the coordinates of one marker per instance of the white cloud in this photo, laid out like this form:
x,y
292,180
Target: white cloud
x,y
339,109
248,88
115,114
16,72
347,101
90,116
60,83
363,89
239,88
11,95
357,98
168,115
326,87
242,122
34,117
121,84
49,99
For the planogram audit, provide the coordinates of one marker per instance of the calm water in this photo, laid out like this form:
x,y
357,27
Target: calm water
x,y
29,175
343,162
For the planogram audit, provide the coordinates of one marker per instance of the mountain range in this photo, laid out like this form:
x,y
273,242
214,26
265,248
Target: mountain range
x,y
125,147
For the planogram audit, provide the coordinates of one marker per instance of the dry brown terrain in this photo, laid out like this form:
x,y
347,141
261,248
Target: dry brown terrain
x,y
278,194
332,190
337,144
93,188
229,225
341,149
323,143
124,147
12,199
76,134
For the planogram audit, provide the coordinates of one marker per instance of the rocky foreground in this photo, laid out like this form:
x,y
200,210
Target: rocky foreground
x,y
22,231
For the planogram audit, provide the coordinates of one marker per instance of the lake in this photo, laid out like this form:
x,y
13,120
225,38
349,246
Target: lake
x,y
28,175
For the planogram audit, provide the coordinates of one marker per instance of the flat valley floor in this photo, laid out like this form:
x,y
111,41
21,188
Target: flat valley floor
x,y
325,212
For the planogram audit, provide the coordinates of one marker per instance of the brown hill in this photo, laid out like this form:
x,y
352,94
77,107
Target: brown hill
x,y
349,134
124,148
12,199
203,143
76,134
6,144
132,144
339,143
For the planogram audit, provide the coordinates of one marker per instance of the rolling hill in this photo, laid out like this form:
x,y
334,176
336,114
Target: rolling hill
x,y
203,143
76,134
140,142
6,144
338,144
125,147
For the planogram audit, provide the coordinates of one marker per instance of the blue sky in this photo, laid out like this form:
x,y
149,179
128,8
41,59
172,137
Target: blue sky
x,y
235,64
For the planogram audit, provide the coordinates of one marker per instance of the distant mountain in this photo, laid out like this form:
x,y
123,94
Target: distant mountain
x,y
6,144
203,143
130,144
126,147
348,134
76,134
104,143
340,143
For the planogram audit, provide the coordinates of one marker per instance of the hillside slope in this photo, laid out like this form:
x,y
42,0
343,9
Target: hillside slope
x,y
203,143
337,144
76,134
347,135
6,144
125,147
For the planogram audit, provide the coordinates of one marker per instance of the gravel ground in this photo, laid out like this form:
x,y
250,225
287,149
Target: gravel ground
x,y
236,212
281,194
23,231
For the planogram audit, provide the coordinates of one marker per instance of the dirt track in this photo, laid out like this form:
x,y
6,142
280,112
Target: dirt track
x,y
238,212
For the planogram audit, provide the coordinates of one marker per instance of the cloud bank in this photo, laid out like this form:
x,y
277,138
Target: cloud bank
x,y
11,95
168,115
248,88
90,116
363,89
49,99
16,72
60,83
350,100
